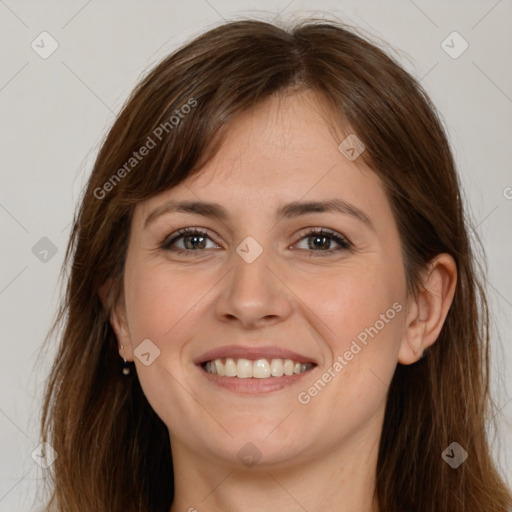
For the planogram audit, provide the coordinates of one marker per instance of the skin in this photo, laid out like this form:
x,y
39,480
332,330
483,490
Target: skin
x,y
316,456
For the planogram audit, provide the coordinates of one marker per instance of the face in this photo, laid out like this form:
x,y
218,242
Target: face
x,y
254,282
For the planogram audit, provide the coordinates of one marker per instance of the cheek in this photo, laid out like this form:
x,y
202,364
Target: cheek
x,y
364,317
362,308
359,302
160,307
159,299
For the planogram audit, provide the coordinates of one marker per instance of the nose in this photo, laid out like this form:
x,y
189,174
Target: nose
x,y
253,294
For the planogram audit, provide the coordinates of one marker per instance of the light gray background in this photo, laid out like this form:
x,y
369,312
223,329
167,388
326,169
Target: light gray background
x,y
55,112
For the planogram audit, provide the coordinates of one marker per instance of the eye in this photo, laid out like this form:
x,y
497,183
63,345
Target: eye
x,y
193,239
319,238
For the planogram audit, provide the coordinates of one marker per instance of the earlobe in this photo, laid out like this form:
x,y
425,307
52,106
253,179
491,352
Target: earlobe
x,y
427,312
120,326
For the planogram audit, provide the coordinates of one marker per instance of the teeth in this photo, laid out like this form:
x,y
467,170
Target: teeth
x,y
260,369
276,367
230,367
220,369
288,367
244,369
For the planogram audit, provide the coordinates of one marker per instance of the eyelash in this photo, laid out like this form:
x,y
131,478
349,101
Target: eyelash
x,y
344,244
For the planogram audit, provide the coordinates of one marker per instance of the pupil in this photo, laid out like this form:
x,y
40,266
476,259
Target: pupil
x,y
323,238
194,238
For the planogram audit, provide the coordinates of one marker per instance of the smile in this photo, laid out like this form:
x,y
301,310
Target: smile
x,y
256,369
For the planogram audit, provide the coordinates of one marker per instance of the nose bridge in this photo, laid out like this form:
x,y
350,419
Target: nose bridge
x,y
253,293
251,264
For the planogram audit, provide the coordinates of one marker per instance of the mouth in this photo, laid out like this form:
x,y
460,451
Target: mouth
x,y
254,369
242,368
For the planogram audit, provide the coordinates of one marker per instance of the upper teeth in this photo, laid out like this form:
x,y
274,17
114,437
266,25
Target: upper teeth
x,y
259,369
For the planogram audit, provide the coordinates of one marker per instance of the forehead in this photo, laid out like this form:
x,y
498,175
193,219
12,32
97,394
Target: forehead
x,y
277,138
283,150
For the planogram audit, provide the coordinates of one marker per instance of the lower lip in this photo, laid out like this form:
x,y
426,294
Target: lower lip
x,y
252,385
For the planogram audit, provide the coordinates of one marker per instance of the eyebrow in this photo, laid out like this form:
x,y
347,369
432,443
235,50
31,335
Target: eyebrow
x,y
287,211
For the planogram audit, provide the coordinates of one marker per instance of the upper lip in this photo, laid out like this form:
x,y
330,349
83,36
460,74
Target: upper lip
x,y
252,353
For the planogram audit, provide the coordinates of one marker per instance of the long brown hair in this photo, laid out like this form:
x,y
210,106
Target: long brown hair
x,y
113,450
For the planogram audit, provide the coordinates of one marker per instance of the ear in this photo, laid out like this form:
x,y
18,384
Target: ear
x,y
103,292
117,320
427,311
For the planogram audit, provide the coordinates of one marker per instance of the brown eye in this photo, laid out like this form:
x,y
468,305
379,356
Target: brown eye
x,y
320,241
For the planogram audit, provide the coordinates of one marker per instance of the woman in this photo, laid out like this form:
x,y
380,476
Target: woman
x,y
273,302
